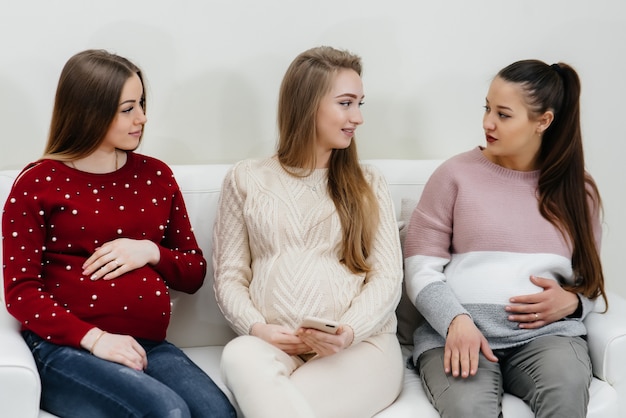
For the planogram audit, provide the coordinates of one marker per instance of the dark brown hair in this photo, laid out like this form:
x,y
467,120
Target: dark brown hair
x,y
565,189
86,102
307,80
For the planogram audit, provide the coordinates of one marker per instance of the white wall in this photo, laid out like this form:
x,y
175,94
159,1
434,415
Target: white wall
x,y
214,66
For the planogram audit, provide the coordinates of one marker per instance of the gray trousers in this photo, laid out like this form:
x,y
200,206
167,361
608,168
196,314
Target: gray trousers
x,y
551,374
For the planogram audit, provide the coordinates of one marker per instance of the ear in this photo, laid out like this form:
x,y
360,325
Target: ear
x,y
544,121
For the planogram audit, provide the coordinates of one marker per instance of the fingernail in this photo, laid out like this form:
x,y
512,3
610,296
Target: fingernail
x,y
94,277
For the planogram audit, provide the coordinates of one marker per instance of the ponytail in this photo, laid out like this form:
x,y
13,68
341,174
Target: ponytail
x,y
567,195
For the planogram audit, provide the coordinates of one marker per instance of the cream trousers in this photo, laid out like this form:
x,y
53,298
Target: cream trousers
x,y
357,382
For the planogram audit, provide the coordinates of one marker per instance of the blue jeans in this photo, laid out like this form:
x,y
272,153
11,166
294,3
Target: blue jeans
x,y
78,384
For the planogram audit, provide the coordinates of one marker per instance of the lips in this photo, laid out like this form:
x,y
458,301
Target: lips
x,y
490,139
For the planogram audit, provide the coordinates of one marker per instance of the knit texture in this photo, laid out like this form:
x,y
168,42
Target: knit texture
x,y
56,217
473,242
276,252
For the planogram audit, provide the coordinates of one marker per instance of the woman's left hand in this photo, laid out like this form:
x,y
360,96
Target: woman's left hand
x,y
539,309
325,344
120,256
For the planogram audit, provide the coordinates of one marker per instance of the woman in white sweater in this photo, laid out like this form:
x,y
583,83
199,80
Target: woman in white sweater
x,y
310,232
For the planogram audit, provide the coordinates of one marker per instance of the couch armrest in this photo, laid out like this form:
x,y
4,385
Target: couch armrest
x,y
607,344
20,387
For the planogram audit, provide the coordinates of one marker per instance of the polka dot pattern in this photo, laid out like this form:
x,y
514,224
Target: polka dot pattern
x,y
54,220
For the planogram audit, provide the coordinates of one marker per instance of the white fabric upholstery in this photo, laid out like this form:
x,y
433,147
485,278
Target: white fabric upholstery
x,y
198,326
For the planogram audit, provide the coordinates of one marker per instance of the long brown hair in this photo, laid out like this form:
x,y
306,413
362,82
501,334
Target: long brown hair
x,y
86,102
307,80
565,189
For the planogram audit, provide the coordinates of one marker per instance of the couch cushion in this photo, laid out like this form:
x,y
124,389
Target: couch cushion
x,y
196,319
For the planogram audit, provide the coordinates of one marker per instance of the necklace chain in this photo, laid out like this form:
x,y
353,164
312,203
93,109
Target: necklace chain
x,y
313,184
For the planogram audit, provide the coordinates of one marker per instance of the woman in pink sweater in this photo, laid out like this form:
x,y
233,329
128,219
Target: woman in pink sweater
x,y
95,235
502,256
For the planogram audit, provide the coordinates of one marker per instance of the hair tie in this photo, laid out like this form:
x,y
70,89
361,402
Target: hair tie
x,y
558,69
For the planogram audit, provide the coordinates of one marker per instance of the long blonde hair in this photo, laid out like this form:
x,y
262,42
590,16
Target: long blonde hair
x,y
307,80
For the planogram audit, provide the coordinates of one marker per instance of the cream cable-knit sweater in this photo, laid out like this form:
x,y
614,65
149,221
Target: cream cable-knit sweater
x,y
276,251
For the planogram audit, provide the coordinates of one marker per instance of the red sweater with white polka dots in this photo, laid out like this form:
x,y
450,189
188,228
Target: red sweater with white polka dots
x,y
54,219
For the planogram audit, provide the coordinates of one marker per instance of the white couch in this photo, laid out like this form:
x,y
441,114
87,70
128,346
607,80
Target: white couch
x,y
198,326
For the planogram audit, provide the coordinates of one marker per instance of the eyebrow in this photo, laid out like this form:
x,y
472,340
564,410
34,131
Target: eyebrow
x,y
500,107
128,101
354,96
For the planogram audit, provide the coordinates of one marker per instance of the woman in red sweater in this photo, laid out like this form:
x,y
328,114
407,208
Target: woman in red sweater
x,y
94,237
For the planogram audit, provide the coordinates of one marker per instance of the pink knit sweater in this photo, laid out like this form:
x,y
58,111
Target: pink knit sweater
x,y
473,242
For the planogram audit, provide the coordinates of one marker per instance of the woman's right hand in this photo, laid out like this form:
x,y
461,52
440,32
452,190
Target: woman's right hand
x,y
280,337
122,349
464,343
114,258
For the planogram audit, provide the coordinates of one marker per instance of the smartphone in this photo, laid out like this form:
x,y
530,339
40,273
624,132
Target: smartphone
x,y
320,324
